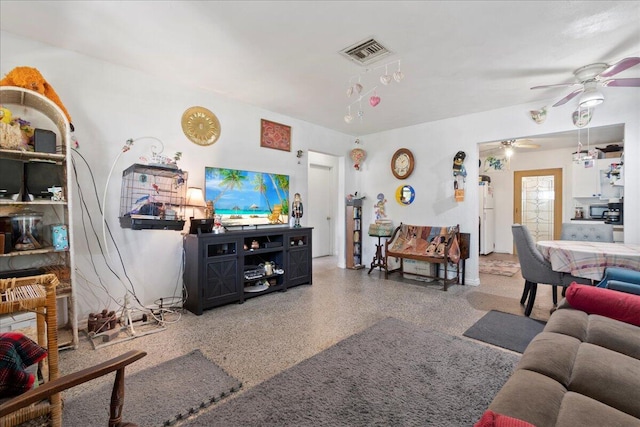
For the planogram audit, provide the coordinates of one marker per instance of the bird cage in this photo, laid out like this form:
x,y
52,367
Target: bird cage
x,y
153,197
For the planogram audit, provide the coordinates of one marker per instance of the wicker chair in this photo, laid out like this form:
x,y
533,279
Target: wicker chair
x,y
22,403
36,294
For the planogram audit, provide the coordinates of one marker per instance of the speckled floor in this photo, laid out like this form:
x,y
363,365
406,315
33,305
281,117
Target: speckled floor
x,y
268,334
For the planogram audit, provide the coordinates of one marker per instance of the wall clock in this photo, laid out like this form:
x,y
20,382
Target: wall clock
x,y
201,126
402,163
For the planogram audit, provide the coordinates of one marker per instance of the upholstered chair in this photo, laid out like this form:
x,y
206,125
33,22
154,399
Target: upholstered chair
x,y
536,269
587,232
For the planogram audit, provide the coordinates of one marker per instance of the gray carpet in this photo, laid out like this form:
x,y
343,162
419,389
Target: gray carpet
x,y
393,373
505,330
156,396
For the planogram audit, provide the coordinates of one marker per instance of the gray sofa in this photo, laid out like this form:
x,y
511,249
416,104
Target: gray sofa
x,y
582,370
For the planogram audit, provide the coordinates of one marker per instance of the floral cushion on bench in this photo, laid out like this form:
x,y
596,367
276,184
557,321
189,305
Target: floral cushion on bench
x,y
426,241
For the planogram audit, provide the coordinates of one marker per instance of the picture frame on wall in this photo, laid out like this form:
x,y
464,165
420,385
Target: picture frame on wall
x,y
275,135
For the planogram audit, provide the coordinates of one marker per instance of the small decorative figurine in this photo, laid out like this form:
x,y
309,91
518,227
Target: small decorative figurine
x,y
379,207
297,209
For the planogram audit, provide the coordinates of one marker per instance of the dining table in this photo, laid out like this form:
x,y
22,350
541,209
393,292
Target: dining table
x,y
589,259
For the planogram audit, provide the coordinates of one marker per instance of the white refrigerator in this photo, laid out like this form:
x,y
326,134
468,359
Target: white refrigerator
x,y
487,219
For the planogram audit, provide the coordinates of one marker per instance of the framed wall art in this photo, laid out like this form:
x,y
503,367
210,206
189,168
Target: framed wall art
x,y
275,135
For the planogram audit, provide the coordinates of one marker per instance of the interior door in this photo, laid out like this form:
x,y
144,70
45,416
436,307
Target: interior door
x,y
321,208
537,202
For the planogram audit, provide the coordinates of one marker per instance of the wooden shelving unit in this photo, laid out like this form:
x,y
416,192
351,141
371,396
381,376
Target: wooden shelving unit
x,y
44,114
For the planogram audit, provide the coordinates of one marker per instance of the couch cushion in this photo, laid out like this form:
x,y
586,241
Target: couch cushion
x,y
579,410
609,377
552,355
569,322
531,397
617,336
603,331
605,302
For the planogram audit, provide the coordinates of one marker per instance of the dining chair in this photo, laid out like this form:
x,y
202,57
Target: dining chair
x,y
587,232
536,269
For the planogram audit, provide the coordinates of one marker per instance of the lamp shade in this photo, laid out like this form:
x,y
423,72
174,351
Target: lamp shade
x,y
195,198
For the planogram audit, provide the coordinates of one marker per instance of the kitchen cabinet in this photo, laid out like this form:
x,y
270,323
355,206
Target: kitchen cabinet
x,y
41,213
585,179
590,180
618,233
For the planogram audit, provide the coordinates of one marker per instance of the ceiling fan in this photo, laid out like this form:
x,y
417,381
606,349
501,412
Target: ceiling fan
x,y
591,76
508,146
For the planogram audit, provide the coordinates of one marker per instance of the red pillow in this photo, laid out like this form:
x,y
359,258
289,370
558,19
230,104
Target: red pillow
x,y
605,302
493,419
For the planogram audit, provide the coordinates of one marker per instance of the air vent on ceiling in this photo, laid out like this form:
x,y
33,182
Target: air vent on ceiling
x,y
366,52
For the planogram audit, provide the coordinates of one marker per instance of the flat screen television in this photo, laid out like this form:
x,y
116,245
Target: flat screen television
x,y
200,225
243,197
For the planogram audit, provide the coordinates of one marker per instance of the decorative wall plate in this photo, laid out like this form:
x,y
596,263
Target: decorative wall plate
x,y
201,126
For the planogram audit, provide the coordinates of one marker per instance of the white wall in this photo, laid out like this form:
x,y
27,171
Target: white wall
x,y
434,144
110,104
502,183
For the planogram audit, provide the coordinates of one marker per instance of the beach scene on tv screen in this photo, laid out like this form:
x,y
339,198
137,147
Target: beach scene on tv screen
x,y
243,197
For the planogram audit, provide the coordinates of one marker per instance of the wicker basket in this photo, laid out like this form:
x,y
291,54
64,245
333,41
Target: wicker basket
x,y
63,272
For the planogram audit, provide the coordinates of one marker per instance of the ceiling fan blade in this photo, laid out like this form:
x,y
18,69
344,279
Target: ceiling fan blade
x,y
527,145
569,97
620,66
633,82
558,85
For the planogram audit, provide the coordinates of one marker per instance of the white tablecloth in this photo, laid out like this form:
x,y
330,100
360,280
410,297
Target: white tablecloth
x,y
589,259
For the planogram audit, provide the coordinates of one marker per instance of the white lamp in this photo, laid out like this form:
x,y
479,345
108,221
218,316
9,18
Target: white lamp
x,y
591,96
195,199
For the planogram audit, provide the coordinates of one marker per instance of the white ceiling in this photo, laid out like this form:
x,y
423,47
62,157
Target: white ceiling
x,y
459,57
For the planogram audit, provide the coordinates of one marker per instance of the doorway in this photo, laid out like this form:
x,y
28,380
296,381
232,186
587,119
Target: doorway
x,y
323,194
537,202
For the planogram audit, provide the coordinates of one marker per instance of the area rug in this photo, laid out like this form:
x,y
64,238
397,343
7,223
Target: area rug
x,y
505,330
156,396
393,373
498,267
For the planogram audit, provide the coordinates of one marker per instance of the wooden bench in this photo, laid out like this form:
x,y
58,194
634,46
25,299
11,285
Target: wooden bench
x,y
435,245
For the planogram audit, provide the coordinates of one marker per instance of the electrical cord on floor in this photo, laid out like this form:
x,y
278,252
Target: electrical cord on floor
x,y
132,291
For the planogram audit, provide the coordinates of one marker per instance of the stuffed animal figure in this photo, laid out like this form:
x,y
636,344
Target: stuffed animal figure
x,y
30,78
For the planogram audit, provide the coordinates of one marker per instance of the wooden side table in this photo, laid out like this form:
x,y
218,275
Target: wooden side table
x,y
379,259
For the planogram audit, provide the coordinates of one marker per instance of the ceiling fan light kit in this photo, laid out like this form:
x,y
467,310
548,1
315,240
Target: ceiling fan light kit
x,y
591,76
591,96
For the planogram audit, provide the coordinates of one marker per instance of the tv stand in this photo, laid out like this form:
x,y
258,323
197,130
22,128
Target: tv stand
x,y
229,267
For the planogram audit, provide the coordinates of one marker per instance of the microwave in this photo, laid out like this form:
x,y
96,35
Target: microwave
x,y
598,211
